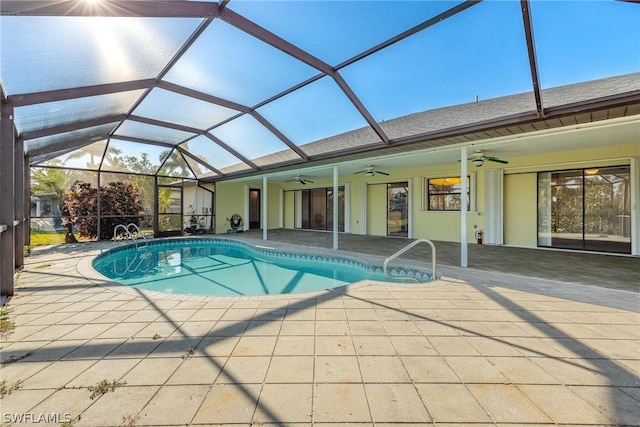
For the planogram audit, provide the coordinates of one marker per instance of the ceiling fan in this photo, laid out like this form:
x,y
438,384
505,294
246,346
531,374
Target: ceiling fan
x,y
299,180
478,158
371,171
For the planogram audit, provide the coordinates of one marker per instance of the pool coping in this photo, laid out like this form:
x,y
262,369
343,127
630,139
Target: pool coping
x,y
85,269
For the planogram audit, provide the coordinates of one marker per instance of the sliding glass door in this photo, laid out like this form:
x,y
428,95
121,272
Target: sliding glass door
x,y
314,208
586,209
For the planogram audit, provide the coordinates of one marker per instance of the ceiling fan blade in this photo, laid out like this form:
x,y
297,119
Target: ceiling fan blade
x,y
306,180
359,172
497,160
381,173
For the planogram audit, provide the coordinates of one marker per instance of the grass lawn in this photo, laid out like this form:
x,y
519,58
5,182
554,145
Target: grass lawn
x,y
40,238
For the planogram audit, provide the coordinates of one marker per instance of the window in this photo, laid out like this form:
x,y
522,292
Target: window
x,y
443,193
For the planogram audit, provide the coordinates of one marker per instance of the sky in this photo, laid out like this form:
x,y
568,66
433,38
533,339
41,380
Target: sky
x,y
479,53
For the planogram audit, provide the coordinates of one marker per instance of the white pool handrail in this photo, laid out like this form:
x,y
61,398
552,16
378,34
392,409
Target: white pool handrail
x,y
130,235
406,248
140,233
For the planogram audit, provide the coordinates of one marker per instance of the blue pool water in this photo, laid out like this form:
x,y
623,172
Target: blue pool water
x,y
224,267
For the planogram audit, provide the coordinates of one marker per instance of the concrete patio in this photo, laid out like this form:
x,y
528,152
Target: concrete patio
x,y
479,347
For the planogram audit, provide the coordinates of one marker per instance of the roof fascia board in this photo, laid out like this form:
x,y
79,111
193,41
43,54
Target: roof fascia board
x,y
617,100
25,99
72,126
531,52
112,8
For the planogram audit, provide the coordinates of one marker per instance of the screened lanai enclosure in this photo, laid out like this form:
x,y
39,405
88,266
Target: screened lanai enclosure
x,y
125,111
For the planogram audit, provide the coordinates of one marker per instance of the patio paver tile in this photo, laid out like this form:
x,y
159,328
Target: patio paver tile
x,y
284,404
175,347
562,405
128,400
57,374
413,346
109,370
451,403
197,370
505,403
255,346
228,403
613,402
217,346
474,370
399,403
174,404
19,402
67,403
334,345
373,345
340,403
428,369
294,345
244,370
152,371
337,369
383,369
290,369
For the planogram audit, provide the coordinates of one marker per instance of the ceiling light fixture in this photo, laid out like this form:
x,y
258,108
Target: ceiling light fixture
x,y
477,161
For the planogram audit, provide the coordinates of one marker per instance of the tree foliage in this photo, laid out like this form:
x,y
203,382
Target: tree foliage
x,y
48,181
119,202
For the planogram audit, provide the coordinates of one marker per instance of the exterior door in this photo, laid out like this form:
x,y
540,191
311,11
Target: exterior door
x,y
254,209
169,202
397,209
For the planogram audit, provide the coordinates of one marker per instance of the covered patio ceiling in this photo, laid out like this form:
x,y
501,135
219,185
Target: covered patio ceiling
x,y
232,90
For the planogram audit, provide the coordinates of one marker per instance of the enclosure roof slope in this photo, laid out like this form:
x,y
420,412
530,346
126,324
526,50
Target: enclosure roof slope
x,y
220,90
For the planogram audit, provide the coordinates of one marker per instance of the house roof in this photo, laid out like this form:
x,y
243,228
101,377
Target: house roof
x,y
223,90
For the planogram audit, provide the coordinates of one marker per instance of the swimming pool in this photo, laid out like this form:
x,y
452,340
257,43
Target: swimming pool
x,y
204,266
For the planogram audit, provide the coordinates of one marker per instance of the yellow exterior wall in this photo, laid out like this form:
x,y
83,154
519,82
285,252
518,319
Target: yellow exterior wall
x,y
230,199
289,209
377,209
273,206
520,210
